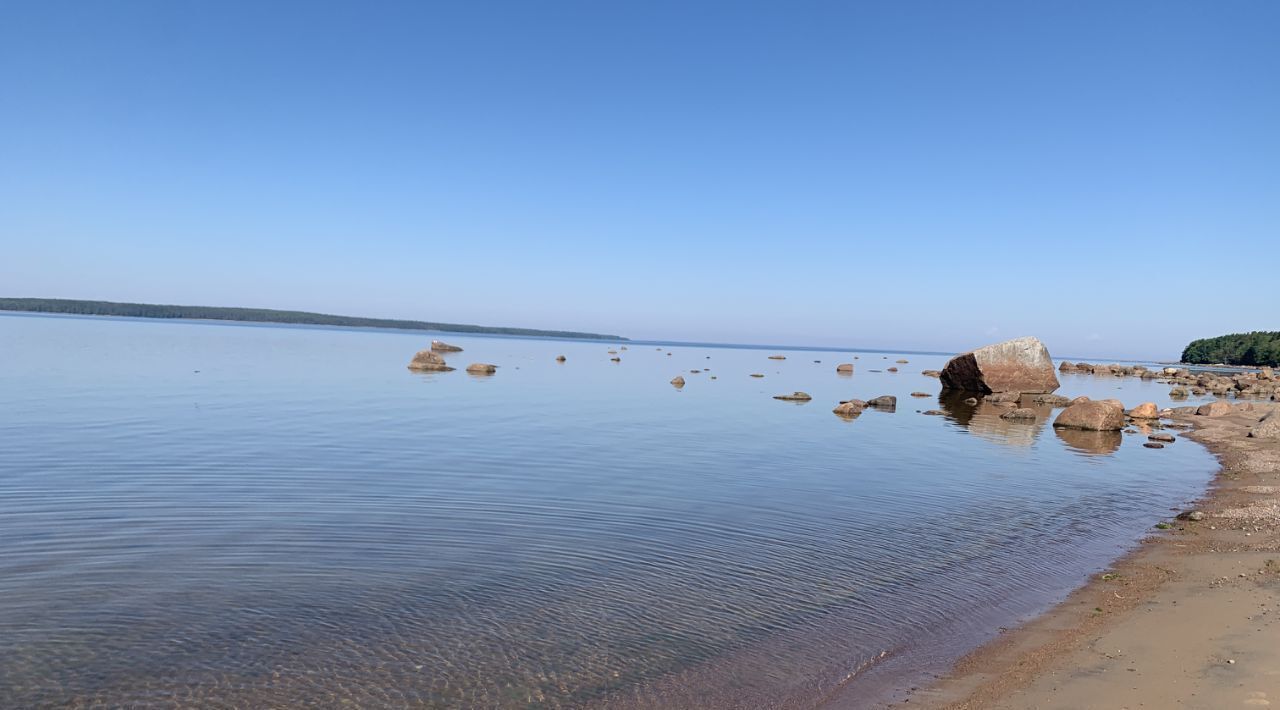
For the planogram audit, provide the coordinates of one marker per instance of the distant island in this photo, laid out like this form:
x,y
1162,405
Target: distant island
x,y
1259,348
266,315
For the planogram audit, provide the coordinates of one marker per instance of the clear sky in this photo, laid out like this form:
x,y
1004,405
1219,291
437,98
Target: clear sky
x,y
923,175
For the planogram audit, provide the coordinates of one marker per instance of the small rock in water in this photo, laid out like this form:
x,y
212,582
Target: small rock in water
x,y
1166,438
902,362
884,401
920,394
794,397
442,347
932,412
846,367
1153,445
428,361
850,408
777,357
615,359
1020,415
931,373
677,381
756,374
560,358
481,368
893,369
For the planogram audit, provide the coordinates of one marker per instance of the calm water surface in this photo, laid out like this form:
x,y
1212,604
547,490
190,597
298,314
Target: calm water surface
x,y
249,516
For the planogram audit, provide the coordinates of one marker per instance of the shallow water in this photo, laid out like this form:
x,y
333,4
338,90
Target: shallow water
x,y
256,515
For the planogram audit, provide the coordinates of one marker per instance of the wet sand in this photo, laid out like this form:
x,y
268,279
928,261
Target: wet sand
x,y
1188,620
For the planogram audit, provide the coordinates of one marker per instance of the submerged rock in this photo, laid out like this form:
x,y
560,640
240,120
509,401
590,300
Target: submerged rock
x,y
1091,416
442,347
794,397
1050,400
1022,364
1020,414
427,361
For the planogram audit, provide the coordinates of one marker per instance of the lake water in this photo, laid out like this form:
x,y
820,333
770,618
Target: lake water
x,y
232,515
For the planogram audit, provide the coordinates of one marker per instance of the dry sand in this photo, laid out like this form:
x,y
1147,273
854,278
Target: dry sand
x,y
1188,620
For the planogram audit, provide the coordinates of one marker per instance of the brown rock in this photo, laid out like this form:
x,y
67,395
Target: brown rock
x,y
931,373
850,408
1003,397
933,412
1022,364
1214,409
1153,445
1164,438
677,381
893,369
777,357
845,368
1267,428
884,401
1091,416
427,361
442,347
1020,414
794,397
481,368
1178,392
560,358
902,362
1146,410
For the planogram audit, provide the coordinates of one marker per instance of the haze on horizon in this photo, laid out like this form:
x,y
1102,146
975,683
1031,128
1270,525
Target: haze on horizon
x,y
925,176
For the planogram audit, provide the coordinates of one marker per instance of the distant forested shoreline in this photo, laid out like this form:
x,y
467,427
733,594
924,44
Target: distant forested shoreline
x,y
265,315
1257,348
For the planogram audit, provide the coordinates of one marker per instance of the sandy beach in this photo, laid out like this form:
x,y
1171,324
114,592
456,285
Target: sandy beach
x,y
1187,620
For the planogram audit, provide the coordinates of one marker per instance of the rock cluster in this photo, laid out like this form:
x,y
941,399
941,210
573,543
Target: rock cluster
x,y
1261,384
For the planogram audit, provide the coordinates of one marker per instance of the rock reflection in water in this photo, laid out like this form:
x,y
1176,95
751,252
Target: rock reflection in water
x,y
983,419
1090,442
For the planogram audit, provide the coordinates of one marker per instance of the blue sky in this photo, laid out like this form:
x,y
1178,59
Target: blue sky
x,y
924,175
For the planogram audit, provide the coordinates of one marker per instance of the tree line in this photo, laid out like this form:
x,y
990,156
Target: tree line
x,y
1257,348
264,315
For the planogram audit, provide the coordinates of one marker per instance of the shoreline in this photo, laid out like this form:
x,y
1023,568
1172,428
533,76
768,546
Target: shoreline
x,y
1187,618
